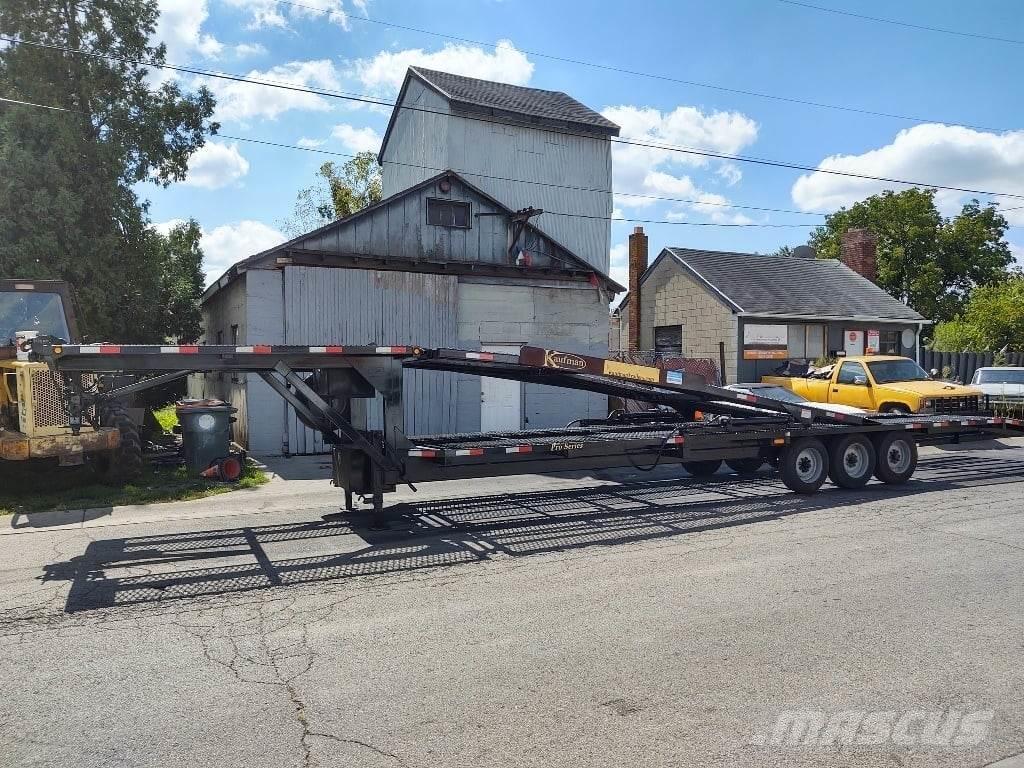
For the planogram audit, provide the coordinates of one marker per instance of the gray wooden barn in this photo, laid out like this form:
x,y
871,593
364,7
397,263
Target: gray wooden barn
x,y
441,263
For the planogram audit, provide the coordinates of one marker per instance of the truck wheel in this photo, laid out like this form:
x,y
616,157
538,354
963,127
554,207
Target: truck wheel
x,y
124,463
851,461
896,409
702,468
897,458
745,466
804,465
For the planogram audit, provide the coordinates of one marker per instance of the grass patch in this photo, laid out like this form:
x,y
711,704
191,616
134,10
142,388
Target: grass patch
x,y
26,487
167,417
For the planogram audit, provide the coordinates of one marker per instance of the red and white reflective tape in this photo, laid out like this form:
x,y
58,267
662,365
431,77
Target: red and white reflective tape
x,y
676,440
187,349
99,349
423,453
255,349
392,350
469,452
329,350
485,356
748,398
520,449
916,425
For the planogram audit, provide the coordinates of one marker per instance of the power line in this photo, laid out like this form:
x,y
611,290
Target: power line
x,y
553,213
654,75
616,140
924,27
574,188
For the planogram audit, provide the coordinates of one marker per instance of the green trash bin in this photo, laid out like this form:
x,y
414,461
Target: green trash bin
x,y
205,432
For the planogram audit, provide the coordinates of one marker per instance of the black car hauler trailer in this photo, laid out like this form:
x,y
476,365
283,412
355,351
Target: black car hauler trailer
x,y
805,442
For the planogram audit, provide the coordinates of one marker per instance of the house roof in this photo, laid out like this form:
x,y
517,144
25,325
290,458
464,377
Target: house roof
x,y
269,256
535,103
786,286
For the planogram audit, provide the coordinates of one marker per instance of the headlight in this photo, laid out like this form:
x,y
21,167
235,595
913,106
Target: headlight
x,y
928,403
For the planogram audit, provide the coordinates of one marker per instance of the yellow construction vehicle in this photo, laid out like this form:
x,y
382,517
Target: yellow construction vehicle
x,y
34,421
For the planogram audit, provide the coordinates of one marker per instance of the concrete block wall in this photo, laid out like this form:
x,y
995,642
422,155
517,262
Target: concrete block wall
x,y
671,297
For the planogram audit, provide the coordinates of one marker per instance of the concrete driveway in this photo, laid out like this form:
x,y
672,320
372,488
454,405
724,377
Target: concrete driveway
x,y
618,620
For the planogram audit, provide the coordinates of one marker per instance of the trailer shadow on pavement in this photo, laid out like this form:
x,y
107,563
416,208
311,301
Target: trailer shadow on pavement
x,y
438,533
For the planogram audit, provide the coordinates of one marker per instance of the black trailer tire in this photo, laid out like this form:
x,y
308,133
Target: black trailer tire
x,y
124,463
702,468
746,466
804,465
851,461
897,457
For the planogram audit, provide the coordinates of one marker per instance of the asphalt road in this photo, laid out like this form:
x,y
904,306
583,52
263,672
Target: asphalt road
x,y
611,621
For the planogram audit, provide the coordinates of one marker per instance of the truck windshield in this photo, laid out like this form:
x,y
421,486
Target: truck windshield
x,y
29,311
888,371
1009,376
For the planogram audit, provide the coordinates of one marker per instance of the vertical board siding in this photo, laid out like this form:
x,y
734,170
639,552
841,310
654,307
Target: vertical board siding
x,y
533,167
352,306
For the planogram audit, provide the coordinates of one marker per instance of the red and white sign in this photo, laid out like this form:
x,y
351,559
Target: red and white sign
x,y
872,343
853,342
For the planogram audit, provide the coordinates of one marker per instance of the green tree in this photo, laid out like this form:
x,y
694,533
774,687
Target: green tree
x,y
337,193
68,208
930,262
181,281
993,318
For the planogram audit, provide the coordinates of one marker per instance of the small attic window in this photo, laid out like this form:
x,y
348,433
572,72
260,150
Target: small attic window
x,y
447,213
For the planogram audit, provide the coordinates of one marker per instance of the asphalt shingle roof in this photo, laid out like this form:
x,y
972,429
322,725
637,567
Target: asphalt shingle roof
x,y
789,285
553,105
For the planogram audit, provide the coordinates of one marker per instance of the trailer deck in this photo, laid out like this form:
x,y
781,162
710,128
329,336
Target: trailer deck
x,y
806,442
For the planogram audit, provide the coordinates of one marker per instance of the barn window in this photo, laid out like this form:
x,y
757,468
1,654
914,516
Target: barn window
x,y
447,213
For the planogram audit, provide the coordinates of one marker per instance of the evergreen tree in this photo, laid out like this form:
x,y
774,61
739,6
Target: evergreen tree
x,y
68,208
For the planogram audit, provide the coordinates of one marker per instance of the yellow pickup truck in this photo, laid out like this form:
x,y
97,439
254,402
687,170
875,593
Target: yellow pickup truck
x,y
881,383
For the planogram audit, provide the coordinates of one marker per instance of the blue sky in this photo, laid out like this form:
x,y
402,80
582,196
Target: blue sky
x,y
240,191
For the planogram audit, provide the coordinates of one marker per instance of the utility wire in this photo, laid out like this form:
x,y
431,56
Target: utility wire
x,y
616,140
653,75
909,25
553,213
574,188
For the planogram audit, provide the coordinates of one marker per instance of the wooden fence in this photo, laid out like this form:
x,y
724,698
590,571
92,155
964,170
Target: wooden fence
x,y
963,364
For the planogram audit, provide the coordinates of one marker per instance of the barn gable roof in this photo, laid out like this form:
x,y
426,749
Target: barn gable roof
x,y
323,247
504,102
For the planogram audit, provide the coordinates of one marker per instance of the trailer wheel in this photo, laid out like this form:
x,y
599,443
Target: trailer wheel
x,y
745,466
851,461
897,458
702,468
124,463
804,465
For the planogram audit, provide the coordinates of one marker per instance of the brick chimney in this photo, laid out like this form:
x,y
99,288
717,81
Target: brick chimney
x,y
637,266
858,252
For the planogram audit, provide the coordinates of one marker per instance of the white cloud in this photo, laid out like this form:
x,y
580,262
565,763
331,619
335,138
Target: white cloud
x,y
385,71
1017,251
180,27
311,143
268,13
228,243
243,50
165,227
224,245
215,165
357,139
241,101
730,173
931,153
648,170
620,265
